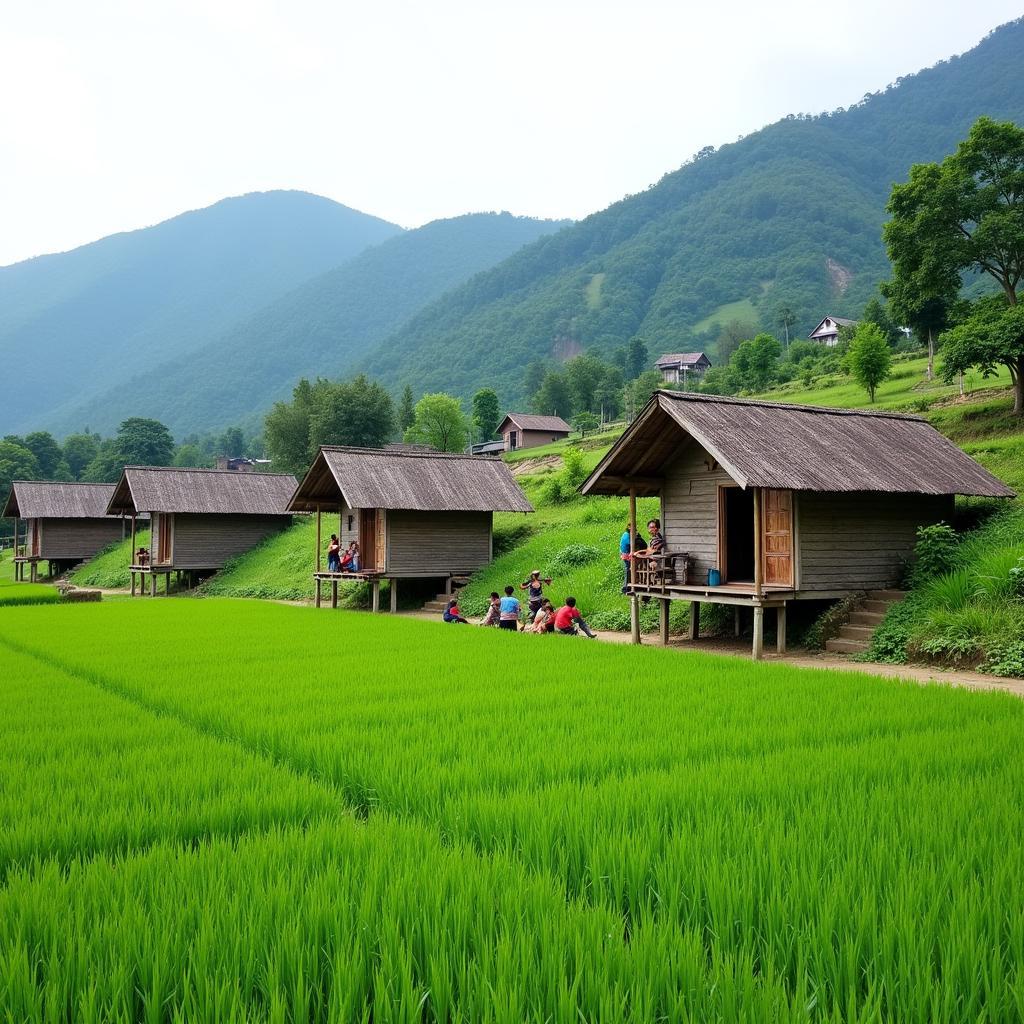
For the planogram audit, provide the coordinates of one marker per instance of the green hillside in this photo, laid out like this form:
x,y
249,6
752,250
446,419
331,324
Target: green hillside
x,y
788,216
80,323
321,327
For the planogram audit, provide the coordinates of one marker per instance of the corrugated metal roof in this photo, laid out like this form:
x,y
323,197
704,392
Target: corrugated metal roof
x,y
527,421
215,491
685,358
45,499
805,448
420,481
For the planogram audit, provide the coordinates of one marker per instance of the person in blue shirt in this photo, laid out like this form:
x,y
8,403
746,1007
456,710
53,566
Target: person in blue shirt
x,y
625,553
508,616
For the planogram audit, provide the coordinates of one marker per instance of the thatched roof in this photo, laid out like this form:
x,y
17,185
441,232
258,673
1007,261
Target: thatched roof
x,y
681,359
214,491
527,421
421,481
46,499
794,447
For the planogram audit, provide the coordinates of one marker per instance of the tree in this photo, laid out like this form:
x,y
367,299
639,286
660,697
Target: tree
x,y
16,463
231,443
144,442
636,358
785,318
534,377
553,397
754,366
406,410
106,465
965,215
79,451
639,391
992,334
357,412
585,374
286,430
608,396
486,413
876,313
870,357
439,423
49,455
585,423
189,455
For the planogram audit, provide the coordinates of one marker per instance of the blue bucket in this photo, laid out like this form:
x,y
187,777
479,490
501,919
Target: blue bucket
x,y
714,578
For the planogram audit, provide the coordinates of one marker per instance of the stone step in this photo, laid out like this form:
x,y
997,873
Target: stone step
x,y
435,606
880,607
845,646
853,632
892,596
872,619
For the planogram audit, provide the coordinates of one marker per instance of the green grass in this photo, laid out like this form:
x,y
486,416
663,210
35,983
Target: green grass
x,y
12,593
743,310
600,441
442,824
109,569
593,291
908,389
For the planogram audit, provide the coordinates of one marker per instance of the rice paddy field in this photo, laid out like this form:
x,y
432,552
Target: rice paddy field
x,y
226,810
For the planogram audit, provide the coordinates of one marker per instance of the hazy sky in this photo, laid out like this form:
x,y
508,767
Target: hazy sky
x,y
115,115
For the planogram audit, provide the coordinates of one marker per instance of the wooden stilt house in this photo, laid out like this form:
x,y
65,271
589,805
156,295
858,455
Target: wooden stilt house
x,y
764,503
414,514
200,517
64,524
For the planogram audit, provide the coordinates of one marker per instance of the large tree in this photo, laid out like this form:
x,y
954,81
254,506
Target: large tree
x,y
356,412
486,413
992,334
16,463
406,410
144,442
49,455
966,215
554,396
79,451
439,423
286,431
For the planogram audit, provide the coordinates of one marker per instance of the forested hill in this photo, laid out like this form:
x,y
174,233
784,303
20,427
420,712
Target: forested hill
x,y
788,216
324,327
75,324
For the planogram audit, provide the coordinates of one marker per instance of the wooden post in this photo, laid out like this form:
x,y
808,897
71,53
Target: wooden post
x,y
780,629
634,618
663,620
131,560
334,593
448,586
132,574
694,633
152,583
634,601
758,648
758,553
317,602
736,621
376,595
394,596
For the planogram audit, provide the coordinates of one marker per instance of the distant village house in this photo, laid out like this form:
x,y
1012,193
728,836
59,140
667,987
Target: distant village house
x,y
683,367
524,430
827,332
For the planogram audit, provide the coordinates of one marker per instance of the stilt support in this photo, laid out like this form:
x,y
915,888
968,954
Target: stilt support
x,y
133,584
634,618
780,629
152,584
394,596
736,621
758,648
334,593
376,596
663,620
694,633
317,597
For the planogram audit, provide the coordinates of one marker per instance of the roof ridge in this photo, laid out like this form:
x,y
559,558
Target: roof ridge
x,y
768,404
400,453
65,483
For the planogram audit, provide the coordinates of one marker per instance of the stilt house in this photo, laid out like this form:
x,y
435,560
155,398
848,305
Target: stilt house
x,y
65,523
764,503
413,514
200,517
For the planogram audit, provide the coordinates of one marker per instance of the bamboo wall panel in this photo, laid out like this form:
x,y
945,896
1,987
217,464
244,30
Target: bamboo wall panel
x,y
208,541
77,538
437,543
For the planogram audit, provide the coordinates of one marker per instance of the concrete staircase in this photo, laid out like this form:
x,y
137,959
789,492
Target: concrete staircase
x,y
855,636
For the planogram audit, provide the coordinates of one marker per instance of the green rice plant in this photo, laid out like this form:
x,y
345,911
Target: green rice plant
x,y
950,592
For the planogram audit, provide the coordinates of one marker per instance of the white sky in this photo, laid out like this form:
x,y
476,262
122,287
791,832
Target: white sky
x,y
115,114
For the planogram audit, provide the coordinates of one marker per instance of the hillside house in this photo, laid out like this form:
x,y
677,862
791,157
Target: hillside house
x,y
415,515
524,430
65,523
827,332
200,517
782,502
683,367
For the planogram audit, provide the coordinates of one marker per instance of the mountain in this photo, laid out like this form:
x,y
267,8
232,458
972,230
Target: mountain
x,y
788,216
76,324
323,327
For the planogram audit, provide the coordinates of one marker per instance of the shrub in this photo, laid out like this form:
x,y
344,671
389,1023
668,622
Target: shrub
x,y
890,641
827,624
573,556
934,553
1005,658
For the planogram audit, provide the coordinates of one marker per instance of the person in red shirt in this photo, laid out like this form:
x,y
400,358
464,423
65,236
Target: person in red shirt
x,y
568,619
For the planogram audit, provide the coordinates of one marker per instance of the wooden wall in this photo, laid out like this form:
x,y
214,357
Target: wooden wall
x,y
533,438
437,543
208,541
690,508
859,541
77,538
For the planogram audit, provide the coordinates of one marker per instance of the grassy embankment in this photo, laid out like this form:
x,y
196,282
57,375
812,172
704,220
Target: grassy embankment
x,y
12,593
598,833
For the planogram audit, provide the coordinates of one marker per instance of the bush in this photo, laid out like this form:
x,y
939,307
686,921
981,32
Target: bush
x,y
573,556
827,624
890,642
934,553
1005,658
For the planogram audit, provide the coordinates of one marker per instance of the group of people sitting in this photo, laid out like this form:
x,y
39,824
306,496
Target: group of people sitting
x,y
342,561
506,612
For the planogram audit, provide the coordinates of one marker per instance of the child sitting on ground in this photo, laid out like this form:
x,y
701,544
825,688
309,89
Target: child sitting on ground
x,y
568,618
452,613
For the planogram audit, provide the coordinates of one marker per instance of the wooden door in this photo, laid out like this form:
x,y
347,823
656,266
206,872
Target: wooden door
x,y
165,549
37,529
380,552
368,539
777,542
